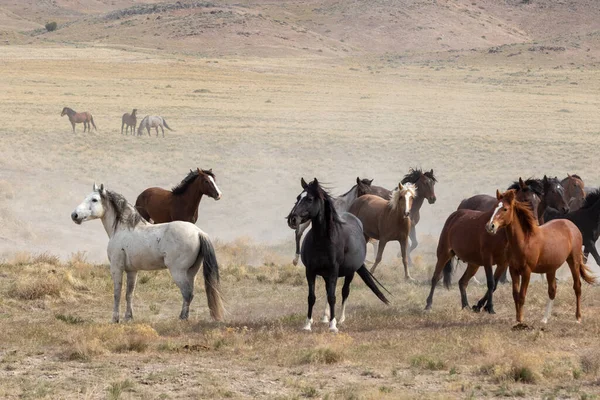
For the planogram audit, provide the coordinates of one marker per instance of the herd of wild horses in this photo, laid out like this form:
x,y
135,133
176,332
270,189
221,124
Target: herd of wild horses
x,y
532,227
128,121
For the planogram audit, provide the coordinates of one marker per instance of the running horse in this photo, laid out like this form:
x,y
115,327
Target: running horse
x,y
538,249
181,203
129,121
334,247
342,204
574,191
77,118
134,245
387,220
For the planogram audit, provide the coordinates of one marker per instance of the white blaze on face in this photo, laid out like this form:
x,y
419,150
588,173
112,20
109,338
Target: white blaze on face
x,y
302,195
407,196
500,205
212,180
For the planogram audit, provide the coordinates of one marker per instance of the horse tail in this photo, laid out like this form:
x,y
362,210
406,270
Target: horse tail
x,y
586,274
370,280
92,121
167,126
210,270
448,270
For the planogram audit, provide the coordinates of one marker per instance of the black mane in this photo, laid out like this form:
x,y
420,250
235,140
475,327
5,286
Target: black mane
x,y
124,212
191,177
415,173
332,218
591,198
535,185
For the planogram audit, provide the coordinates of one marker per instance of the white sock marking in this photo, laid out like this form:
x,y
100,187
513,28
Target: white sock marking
x,y
333,326
548,311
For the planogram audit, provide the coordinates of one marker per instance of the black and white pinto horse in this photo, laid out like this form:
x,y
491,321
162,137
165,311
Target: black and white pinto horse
x,y
341,203
335,247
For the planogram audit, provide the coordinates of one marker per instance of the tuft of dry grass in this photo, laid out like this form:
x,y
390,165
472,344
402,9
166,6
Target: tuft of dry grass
x,y
37,288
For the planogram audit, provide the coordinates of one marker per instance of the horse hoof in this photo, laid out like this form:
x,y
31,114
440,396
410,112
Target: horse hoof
x,y
307,329
334,330
544,321
325,319
410,279
428,307
521,327
490,311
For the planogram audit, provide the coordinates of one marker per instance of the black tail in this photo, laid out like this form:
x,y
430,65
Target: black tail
x,y
167,126
366,276
448,270
210,270
92,120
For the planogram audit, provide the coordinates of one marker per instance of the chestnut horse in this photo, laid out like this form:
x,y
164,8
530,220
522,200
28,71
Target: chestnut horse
x,y
129,121
464,236
181,203
387,220
574,191
538,249
77,118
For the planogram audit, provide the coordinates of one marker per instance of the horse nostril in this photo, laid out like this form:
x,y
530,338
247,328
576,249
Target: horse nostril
x,y
73,215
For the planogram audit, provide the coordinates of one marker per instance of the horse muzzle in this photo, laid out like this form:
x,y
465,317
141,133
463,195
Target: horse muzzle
x,y
491,228
76,218
432,200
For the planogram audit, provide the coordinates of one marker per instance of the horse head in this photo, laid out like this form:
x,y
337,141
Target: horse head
x,y
503,212
92,206
554,194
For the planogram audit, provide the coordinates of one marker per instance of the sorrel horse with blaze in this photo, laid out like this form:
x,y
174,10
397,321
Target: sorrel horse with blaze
x,y
538,249
78,118
181,203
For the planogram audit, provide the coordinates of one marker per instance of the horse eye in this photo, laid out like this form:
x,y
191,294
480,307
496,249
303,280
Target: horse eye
x,y
94,200
504,209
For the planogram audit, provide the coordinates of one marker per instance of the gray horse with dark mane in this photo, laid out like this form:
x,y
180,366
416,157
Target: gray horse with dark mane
x,y
153,121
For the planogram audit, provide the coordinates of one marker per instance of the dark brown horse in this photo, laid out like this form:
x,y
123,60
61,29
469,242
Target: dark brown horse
x,y
77,118
181,203
386,220
574,191
539,249
129,121
464,236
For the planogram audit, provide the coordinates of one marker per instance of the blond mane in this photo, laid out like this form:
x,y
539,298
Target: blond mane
x,y
398,194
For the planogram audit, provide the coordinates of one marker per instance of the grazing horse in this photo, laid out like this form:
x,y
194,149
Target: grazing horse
x,y
334,247
425,182
587,219
136,245
153,121
574,191
387,220
182,202
538,249
341,203
129,121
77,118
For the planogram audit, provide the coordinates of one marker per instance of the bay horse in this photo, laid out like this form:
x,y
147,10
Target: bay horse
x,y
182,202
587,219
424,182
465,237
334,247
153,121
387,220
77,118
129,121
341,204
538,249
574,191
134,245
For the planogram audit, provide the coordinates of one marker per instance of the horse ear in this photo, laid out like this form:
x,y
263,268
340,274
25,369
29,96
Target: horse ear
x,y
431,172
315,181
210,170
370,181
95,188
357,180
303,183
102,191
400,187
521,183
568,175
498,194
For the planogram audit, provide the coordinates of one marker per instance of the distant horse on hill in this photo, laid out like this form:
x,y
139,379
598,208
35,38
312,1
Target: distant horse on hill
x,y
129,121
77,118
153,121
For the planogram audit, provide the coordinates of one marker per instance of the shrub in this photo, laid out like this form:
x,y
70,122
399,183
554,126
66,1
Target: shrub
x,y
51,26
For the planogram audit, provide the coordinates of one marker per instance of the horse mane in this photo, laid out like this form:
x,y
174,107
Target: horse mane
x,y
397,194
124,212
591,198
576,176
190,177
332,218
526,218
535,185
415,173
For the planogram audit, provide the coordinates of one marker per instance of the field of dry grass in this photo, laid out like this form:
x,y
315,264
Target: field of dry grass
x,y
261,124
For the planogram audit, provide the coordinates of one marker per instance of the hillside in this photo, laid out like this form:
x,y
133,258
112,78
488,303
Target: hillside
x,y
309,27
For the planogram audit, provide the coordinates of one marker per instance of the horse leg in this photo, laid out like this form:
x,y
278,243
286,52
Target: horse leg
x,y
442,261
403,250
162,129
117,277
463,282
503,278
122,124
501,269
575,272
413,242
523,292
131,279
592,249
375,244
551,276
310,278
345,294
380,249
491,287
156,131
148,129
186,286
516,286
330,284
73,125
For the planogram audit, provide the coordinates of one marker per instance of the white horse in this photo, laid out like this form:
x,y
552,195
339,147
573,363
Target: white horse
x,y
135,244
153,121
